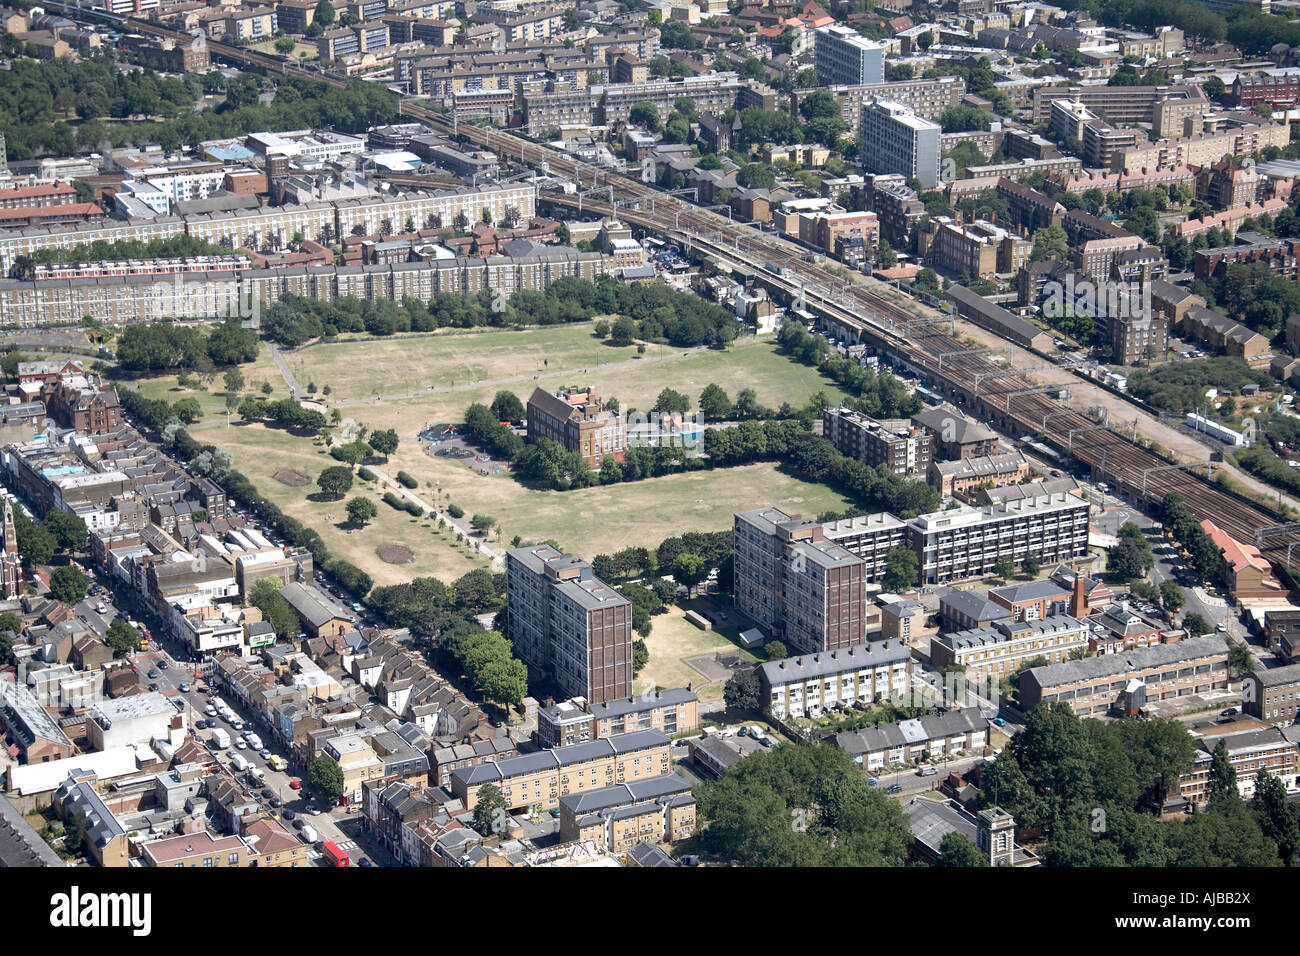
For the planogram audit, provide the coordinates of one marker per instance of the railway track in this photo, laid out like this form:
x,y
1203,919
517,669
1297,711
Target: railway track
x,y
1008,398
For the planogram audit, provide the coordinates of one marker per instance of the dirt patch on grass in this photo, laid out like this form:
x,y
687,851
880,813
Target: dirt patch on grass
x,y
395,554
294,479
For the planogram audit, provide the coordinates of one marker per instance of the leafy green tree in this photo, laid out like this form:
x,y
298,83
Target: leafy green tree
x,y
742,690
325,777
324,13
68,584
800,806
1223,779
284,45
715,405
1196,625
1050,242
491,812
35,542
361,510
1171,595
775,651
672,401
1277,817
640,656
1031,565
234,380
1005,567
507,407
901,570
957,849
646,115
69,531
756,176
689,570
266,597
1240,660
122,638
483,524
335,481
384,441
623,331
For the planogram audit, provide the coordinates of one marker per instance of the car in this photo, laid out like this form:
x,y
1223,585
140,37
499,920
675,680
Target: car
x,y
264,754
313,810
894,788
364,861
295,784
163,665
289,814
268,792
555,812
153,672
210,711
1230,712
873,781
927,771
277,802
185,688
153,686
299,823
998,721
100,608
241,744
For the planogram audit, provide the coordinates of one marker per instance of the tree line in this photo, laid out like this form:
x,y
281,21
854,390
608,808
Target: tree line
x,y
1084,785
165,346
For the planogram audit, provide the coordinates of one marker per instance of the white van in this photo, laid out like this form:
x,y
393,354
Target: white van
x,y
238,761
254,741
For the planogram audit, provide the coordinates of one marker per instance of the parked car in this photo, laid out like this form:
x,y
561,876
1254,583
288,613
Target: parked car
x,y
241,744
998,721
264,754
1230,712
295,784
894,788
162,665
185,688
927,771
289,814
153,672
153,686
268,792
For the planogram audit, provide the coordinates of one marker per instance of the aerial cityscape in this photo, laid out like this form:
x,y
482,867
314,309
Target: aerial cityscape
x,y
649,433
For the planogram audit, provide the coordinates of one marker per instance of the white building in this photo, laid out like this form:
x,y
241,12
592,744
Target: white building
x,y
841,55
128,721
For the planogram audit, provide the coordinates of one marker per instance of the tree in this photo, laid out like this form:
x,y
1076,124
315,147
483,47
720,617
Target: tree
x,y
284,45
266,597
69,531
491,813
503,681
483,524
640,656
1223,790
1126,560
1195,625
624,331
1171,595
68,584
646,115
234,380
122,638
601,329
901,570
742,690
1240,659
775,651
801,806
1277,818
335,481
689,570
670,401
35,542
756,176
384,441
507,407
1050,242
361,510
325,777
957,849
324,13
715,405
1031,565
1005,567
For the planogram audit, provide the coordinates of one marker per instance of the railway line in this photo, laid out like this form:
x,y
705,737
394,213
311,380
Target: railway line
x,y
987,388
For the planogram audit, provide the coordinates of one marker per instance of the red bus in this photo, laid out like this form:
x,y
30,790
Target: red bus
x,y
333,855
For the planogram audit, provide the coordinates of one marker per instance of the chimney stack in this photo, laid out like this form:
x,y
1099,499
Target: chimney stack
x,y
1078,607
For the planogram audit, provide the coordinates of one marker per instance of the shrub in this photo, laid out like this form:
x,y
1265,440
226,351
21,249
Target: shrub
x,y
393,501
413,509
365,474
407,480
456,511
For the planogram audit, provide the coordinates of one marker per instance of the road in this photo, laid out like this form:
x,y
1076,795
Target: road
x,y
171,663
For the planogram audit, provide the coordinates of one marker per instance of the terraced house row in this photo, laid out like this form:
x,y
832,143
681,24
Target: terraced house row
x,y
275,227
208,295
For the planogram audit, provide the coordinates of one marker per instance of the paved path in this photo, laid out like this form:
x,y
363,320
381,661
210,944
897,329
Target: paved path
x,y
461,526
292,382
